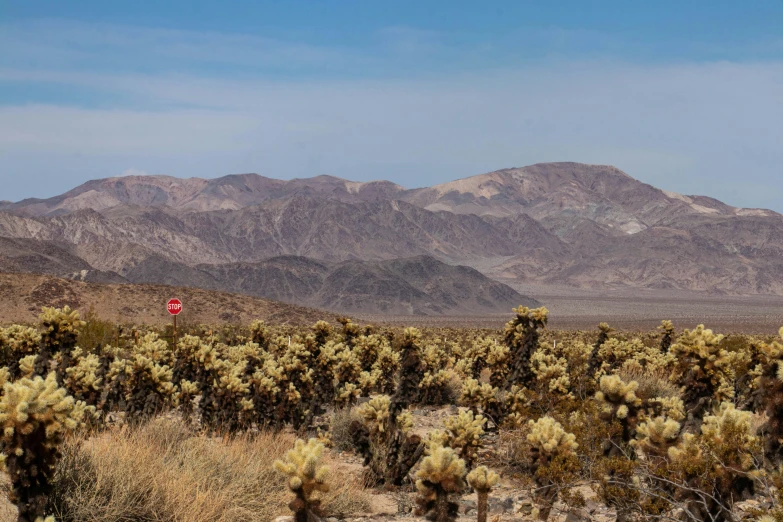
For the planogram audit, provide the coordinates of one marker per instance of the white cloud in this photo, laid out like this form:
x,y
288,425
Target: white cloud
x,y
134,172
711,128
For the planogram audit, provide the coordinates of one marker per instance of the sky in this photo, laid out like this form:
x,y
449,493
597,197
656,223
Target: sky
x,y
684,95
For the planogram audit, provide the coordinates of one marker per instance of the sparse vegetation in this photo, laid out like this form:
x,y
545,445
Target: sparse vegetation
x,y
140,426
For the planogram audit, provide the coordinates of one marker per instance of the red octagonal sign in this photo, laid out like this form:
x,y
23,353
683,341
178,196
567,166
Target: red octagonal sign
x,y
174,306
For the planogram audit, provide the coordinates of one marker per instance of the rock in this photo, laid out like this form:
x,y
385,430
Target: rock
x,y
284,519
578,515
468,506
499,507
362,400
525,506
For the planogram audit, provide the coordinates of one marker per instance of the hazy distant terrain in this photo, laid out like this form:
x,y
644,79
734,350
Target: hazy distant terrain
x,y
380,248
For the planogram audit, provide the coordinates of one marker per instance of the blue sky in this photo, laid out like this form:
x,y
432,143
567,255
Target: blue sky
x,y
682,95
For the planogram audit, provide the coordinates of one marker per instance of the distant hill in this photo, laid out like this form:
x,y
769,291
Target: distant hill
x,y
412,286
23,295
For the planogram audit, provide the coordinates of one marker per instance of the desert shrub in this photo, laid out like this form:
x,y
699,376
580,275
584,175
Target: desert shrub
x,y
161,470
340,428
651,383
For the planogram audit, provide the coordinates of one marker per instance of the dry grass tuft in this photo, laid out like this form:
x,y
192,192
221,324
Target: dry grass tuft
x,y
651,384
162,471
339,427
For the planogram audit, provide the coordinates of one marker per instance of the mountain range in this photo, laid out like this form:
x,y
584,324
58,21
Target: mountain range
x,y
455,248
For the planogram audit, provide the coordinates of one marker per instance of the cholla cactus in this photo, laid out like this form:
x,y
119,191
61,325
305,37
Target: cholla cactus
x,y
770,393
368,348
473,359
16,342
187,393
521,337
482,480
259,334
411,370
60,331
383,438
386,367
595,357
551,372
306,476
463,433
440,478
702,370
436,387
667,334
232,404
619,403
350,332
346,395
655,436
82,379
35,414
322,330
148,388
26,366
479,396
498,362
551,449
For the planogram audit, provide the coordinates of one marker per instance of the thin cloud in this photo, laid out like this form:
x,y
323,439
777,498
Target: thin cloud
x,y
693,127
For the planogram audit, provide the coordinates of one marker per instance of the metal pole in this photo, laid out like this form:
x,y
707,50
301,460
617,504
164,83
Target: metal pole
x,y
175,329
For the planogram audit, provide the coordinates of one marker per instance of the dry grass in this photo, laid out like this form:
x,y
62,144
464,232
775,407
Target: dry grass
x,y
163,472
339,428
651,384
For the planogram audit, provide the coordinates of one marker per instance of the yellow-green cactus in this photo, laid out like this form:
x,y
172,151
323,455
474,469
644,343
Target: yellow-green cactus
x,y
619,403
306,477
655,436
550,447
440,478
463,433
35,414
482,480
551,371
521,337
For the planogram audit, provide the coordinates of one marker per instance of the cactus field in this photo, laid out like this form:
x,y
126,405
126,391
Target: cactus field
x,y
346,421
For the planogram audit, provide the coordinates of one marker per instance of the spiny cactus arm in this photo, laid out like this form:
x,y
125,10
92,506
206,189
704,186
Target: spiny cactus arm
x,y
482,480
306,475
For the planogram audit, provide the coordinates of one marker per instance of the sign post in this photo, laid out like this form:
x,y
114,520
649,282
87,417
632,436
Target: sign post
x,y
174,306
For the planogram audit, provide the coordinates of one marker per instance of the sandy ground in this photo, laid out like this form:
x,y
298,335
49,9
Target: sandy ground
x,y
572,309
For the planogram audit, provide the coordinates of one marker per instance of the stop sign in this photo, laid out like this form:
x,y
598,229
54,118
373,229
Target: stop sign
x,y
174,306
